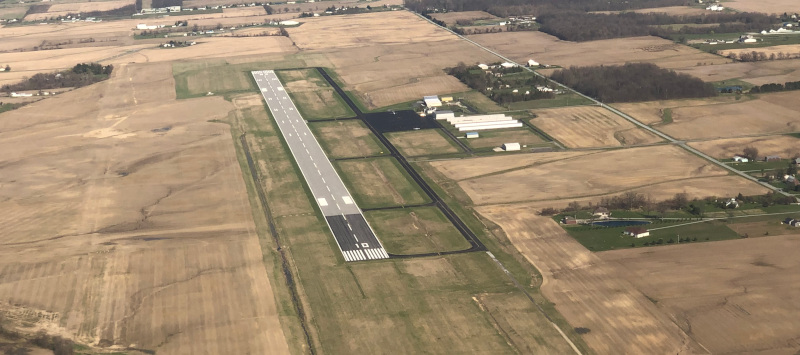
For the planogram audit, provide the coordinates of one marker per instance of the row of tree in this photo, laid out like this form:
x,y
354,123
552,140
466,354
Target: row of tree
x,y
80,75
788,86
633,82
754,56
505,8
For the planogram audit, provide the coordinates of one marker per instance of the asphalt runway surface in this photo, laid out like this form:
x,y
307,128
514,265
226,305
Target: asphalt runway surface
x,y
353,234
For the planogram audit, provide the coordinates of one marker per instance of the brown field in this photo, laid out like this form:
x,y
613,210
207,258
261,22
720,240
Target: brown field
x,y
767,114
347,139
651,112
383,66
587,291
589,126
765,6
127,221
78,7
658,171
757,73
422,142
450,18
669,10
785,146
304,7
461,169
792,49
546,49
743,303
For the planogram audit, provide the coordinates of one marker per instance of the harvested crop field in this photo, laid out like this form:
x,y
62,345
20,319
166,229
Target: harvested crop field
x,y
383,65
652,112
669,10
743,303
590,126
756,73
765,6
657,170
546,49
127,221
422,142
450,18
587,291
767,114
784,146
347,139
64,9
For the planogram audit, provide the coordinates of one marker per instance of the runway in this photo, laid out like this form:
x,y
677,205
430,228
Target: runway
x,y
353,234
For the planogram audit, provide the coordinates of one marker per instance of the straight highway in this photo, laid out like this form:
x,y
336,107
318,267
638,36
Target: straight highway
x,y
346,221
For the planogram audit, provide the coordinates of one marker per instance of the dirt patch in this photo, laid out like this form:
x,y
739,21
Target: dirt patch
x,y
422,142
593,174
741,303
546,49
757,73
785,146
585,126
765,6
109,232
587,291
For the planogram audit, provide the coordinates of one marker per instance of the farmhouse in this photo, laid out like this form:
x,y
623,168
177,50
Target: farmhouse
x,y
637,232
432,101
510,147
772,158
532,63
508,65
483,66
740,159
601,213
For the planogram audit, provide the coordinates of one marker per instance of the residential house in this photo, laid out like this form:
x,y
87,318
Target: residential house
x,y
601,213
637,232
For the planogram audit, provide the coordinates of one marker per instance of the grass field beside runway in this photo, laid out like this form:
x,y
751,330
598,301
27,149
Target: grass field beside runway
x,y
422,142
312,95
415,230
379,182
347,139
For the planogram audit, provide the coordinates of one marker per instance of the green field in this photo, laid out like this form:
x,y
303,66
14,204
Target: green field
x,y
415,230
219,77
379,182
425,142
610,238
312,95
347,139
494,138
562,100
454,304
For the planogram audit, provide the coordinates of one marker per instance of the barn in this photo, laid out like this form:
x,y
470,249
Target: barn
x,y
511,147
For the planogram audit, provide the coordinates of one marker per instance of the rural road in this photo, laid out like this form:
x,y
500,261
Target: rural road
x,y
623,115
353,234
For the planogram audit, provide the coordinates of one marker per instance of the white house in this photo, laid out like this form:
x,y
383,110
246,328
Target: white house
x,y
637,232
483,66
740,159
510,147
601,213
532,63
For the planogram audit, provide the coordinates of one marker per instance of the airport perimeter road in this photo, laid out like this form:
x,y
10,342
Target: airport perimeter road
x,y
353,234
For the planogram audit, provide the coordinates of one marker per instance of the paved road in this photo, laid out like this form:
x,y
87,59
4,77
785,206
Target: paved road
x,y
353,234
681,144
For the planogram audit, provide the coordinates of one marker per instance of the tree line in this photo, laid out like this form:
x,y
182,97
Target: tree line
x,y
774,87
755,56
633,82
80,75
505,8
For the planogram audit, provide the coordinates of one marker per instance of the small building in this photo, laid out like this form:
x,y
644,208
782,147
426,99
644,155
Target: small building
x,y
740,159
795,223
432,101
447,99
532,63
510,147
471,135
569,220
543,88
601,213
789,178
289,23
772,158
788,221
174,8
508,65
20,94
444,115
637,232
796,161
483,66
732,203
